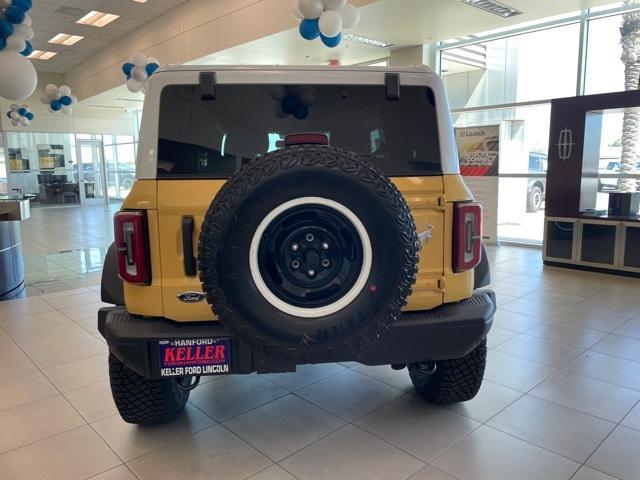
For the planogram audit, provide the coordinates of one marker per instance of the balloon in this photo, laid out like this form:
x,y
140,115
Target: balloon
x,y
289,104
126,69
276,92
307,97
134,85
66,109
24,5
74,99
27,21
51,89
66,100
22,111
24,121
18,77
56,105
28,49
311,9
153,60
295,10
331,42
309,29
44,98
30,116
139,60
350,15
280,113
15,43
14,115
24,31
64,90
14,15
301,112
139,73
333,4
5,3
6,28
330,24
151,68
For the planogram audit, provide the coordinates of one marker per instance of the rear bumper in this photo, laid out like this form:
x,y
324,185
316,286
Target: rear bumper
x,y
450,331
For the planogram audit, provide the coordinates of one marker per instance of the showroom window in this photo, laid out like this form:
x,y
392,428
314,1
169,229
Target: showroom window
x,y
508,77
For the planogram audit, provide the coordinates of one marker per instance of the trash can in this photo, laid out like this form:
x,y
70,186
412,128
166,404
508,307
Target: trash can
x,y
13,211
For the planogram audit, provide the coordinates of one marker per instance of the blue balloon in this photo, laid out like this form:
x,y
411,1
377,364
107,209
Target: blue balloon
x,y
310,29
331,42
14,15
289,104
6,28
56,105
151,68
66,100
28,49
24,5
30,116
126,68
301,112
23,112
3,44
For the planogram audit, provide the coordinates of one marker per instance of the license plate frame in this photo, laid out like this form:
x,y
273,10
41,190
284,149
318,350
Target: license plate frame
x,y
181,357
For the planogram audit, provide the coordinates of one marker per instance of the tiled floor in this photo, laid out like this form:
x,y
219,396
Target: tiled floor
x,y
560,400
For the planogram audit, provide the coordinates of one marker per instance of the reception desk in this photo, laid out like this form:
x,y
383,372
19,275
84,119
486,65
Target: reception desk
x,y
13,211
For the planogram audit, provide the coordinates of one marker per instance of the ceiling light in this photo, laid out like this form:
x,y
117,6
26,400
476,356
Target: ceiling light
x,y
367,41
140,1
66,39
40,55
98,19
492,6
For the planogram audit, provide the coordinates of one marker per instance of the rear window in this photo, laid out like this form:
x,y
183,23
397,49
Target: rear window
x,y
213,139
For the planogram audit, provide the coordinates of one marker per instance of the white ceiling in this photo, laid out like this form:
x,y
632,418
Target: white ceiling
x,y
51,17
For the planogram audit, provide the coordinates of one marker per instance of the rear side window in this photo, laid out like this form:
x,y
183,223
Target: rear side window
x,y
213,139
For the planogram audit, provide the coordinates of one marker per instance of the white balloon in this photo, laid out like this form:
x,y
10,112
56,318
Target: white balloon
x,y
74,99
5,3
55,95
311,9
14,115
64,90
66,109
44,98
15,123
24,121
14,106
334,4
50,89
18,77
139,60
16,43
152,60
139,73
350,15
295,10
134,85
27,20
24,31
330,23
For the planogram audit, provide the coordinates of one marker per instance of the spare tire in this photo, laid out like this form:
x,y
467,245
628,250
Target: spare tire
x,y
308,253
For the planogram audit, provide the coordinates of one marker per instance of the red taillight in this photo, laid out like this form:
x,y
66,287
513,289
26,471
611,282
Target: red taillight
x,y
467,236
133,246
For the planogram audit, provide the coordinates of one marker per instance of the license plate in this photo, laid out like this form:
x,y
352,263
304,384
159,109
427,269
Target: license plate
x,y
194,356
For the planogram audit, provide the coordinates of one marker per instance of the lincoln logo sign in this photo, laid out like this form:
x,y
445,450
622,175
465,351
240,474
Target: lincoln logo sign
x,y
565,144
201,356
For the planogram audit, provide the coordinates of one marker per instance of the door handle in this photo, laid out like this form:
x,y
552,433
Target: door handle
x,y
188,226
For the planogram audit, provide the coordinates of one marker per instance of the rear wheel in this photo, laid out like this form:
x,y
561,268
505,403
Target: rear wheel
x,y
535,198
143,401
450,381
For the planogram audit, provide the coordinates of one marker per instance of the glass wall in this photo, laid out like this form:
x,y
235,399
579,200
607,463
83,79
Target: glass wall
x,y
507,79
44,166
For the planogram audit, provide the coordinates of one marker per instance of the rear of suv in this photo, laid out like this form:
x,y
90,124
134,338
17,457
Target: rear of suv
x,y
289,216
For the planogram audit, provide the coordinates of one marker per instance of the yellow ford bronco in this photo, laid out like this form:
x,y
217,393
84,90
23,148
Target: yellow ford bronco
x,y
285,216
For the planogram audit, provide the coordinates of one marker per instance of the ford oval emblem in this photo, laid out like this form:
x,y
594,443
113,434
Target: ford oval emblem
x,y
191,297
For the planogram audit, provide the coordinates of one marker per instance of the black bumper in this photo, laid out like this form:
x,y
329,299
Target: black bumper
x,y
450,331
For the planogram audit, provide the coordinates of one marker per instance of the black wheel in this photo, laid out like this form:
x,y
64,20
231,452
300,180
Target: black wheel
x,y
144,401
307,252
535,197
450,381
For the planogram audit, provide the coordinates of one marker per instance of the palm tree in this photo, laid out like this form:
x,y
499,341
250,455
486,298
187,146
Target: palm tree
x,y
630,39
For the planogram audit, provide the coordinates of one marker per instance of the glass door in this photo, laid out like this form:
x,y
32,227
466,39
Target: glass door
x,y
91,172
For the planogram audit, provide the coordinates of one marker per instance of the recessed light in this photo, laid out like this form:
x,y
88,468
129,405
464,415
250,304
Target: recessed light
x,y
41,55
98,19
367,41
66,39
492,6
140,1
